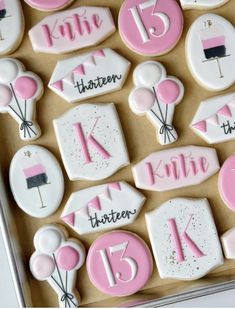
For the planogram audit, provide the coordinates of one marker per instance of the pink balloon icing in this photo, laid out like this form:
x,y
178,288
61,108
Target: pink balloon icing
x,y
42,266
25,87
143,99
5,96
67,258
168,91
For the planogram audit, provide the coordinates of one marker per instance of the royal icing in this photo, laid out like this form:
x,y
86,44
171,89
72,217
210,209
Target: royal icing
x,y
202,4
102,207
19,92
155,95
56,260
11,17
48,5
226,182
119,263
184,239
72,29
210,52
89,75
228,241
150,27
36,181
91,141
215,119
175,168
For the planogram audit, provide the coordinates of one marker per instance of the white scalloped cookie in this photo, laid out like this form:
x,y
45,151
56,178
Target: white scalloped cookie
x,y
49,5
202,4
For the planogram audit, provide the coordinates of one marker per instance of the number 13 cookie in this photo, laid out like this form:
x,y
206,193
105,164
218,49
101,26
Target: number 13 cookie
x,y
151,27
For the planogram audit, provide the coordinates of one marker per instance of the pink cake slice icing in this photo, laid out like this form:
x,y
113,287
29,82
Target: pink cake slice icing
x,y
214,42
34,170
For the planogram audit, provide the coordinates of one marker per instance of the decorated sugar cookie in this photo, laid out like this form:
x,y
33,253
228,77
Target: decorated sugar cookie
x,y
119,263
175,168
215,119
202,4
210,52
226,182
184,239
56,260
150,27
19,92
72,29
11,17
156,95
48,5
36,181
91,141
228,241
89,75
102,207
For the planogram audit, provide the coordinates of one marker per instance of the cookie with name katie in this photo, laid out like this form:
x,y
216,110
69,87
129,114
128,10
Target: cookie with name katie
x,y
102,207
11,17
210,52
184,239
119,263
89,75
155,95
19,92
91,142
73,29
49,5
215,119
202,4
56,260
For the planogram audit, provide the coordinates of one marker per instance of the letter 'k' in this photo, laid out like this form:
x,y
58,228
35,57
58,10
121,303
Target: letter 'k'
x,y
89,140
185,237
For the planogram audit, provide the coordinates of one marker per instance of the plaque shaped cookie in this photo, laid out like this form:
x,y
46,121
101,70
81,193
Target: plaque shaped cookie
x,y
89,75
184,239
72,29
228,242
215,119
210,52
11,17
202,4
102,207
156,95
36,181
91,141
19,92
175,168
56,260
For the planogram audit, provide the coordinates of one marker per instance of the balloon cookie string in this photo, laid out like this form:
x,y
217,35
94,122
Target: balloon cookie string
x,y
166,128
26,124
67,298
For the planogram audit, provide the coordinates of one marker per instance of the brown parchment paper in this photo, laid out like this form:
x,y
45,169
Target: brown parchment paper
x,y
141,141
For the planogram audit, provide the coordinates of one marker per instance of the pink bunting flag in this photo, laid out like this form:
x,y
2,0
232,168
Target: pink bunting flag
x,y
201,126
213,120
225,111
83,212
99,53
69,78
90,62
115,186
95,203
58,85
69,219
106,194
79,69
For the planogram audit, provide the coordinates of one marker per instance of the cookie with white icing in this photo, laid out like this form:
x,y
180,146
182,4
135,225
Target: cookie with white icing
x,y
184,239
155,95
11,17
19,92
91,141
49,5
73,29
215,119
36,181
202,4
56,260
210,52
227,241
89,75
102,207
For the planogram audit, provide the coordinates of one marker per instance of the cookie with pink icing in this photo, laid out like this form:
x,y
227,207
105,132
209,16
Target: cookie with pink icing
x,y
56,260
19,92
150,27
48,5
226,182
175,168
119,263
72,29
155,95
